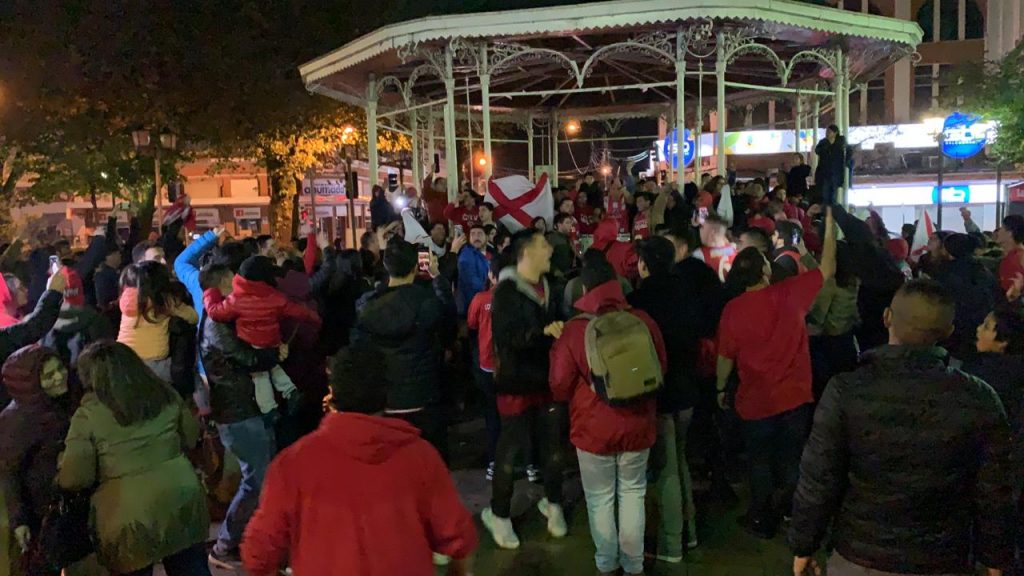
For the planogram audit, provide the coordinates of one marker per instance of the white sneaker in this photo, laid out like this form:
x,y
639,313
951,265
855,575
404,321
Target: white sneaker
x,y
556,519
669,559
441,559
501,530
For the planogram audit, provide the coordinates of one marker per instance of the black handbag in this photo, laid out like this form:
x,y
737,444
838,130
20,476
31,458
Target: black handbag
x,y
64,536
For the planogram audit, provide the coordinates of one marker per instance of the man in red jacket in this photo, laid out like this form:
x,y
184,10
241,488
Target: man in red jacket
x,y
621,255
362,495
612,442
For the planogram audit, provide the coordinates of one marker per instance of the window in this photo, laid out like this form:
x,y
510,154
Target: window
x,y
876,101
949,20
922,89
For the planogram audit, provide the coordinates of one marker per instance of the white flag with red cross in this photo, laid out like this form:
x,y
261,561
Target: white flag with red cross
x,y
517,201
922,233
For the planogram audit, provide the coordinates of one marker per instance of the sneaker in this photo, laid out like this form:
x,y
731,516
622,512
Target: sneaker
x,y
532,474
490,471
441,559
692,543
224,559
501,530
556,519
669,559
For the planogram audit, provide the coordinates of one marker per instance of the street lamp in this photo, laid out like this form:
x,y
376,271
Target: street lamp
x,y
572,127
144,145
935,127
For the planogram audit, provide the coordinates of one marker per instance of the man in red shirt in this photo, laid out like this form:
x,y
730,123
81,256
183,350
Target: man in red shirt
x,y
764,335
463,211
478,319
716,251
615,205
364,494
1011,237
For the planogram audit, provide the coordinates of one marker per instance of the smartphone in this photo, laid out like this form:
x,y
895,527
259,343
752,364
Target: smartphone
x,y
423,260
458,230
54,264
702,214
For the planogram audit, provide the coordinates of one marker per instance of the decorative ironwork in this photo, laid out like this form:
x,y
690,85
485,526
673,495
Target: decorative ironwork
x,y
735,50
394,81
656,44
829,58
613,126
510,54
699,39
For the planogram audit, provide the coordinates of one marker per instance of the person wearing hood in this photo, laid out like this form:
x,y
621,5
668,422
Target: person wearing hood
x,y
406,322
127,441
613,442
257,308
621,255
32,431
976,289
78,324
13,297
33,327
364,494
523,327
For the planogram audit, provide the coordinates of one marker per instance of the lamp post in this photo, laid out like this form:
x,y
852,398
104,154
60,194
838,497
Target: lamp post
x,y
167,140
351,180
935,127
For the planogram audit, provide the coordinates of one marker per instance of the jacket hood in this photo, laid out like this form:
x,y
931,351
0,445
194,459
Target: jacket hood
x,y
907,354
524,287
241,286
607,296
607,231
21,373
370,439
391,312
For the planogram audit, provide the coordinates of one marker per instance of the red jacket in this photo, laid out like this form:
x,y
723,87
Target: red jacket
x,y
479,318
596,426
362,495
621,255
257,309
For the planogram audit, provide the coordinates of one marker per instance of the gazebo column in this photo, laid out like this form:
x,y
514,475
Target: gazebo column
x,y
680,120
554,148
720,104
529,146
816,128
798,122
842,104
485,99
417,166
698,128
371,130
451,154
431,148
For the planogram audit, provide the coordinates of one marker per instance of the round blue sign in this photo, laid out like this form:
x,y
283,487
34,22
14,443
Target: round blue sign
x,y
962,137
689,149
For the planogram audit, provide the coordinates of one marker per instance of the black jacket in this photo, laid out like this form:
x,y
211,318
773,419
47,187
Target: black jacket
x,y
518,317
680,317
407,325
1005,374
228,362
700,281
796,180
831,161
975,290
30,330
911,458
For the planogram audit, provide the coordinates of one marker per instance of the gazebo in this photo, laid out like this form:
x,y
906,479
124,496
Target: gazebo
x,y
604,61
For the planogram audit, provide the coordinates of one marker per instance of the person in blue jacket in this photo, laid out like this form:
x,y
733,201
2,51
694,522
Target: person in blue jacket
x,y
473,267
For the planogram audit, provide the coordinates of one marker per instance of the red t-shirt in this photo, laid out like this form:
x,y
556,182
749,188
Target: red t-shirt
x,y
585,219
641,227
478,318
765,333
718,259
616,210
461,215
1009,267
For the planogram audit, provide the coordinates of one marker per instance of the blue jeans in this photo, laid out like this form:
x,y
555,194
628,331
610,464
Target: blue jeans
x,y
252,443
191,561
621,477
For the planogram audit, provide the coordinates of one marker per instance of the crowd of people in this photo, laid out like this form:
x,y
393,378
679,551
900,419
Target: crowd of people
x,y
874,394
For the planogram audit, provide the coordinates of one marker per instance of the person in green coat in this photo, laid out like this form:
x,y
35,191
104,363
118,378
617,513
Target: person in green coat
x,y
127,442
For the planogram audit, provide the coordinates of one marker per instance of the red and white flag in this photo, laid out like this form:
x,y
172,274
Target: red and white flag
x,y
517,201
922,233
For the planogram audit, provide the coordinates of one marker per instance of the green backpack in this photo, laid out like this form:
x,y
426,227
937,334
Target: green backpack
x,y
624,365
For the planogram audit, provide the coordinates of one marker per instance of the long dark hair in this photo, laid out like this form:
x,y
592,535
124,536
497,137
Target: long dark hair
x,y
123,383
155,289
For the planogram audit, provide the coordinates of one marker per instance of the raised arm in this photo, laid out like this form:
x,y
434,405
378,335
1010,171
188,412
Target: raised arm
x,y
828,251
218,307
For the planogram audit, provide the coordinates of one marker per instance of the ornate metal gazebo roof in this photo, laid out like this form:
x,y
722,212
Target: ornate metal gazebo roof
x,y
614,59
